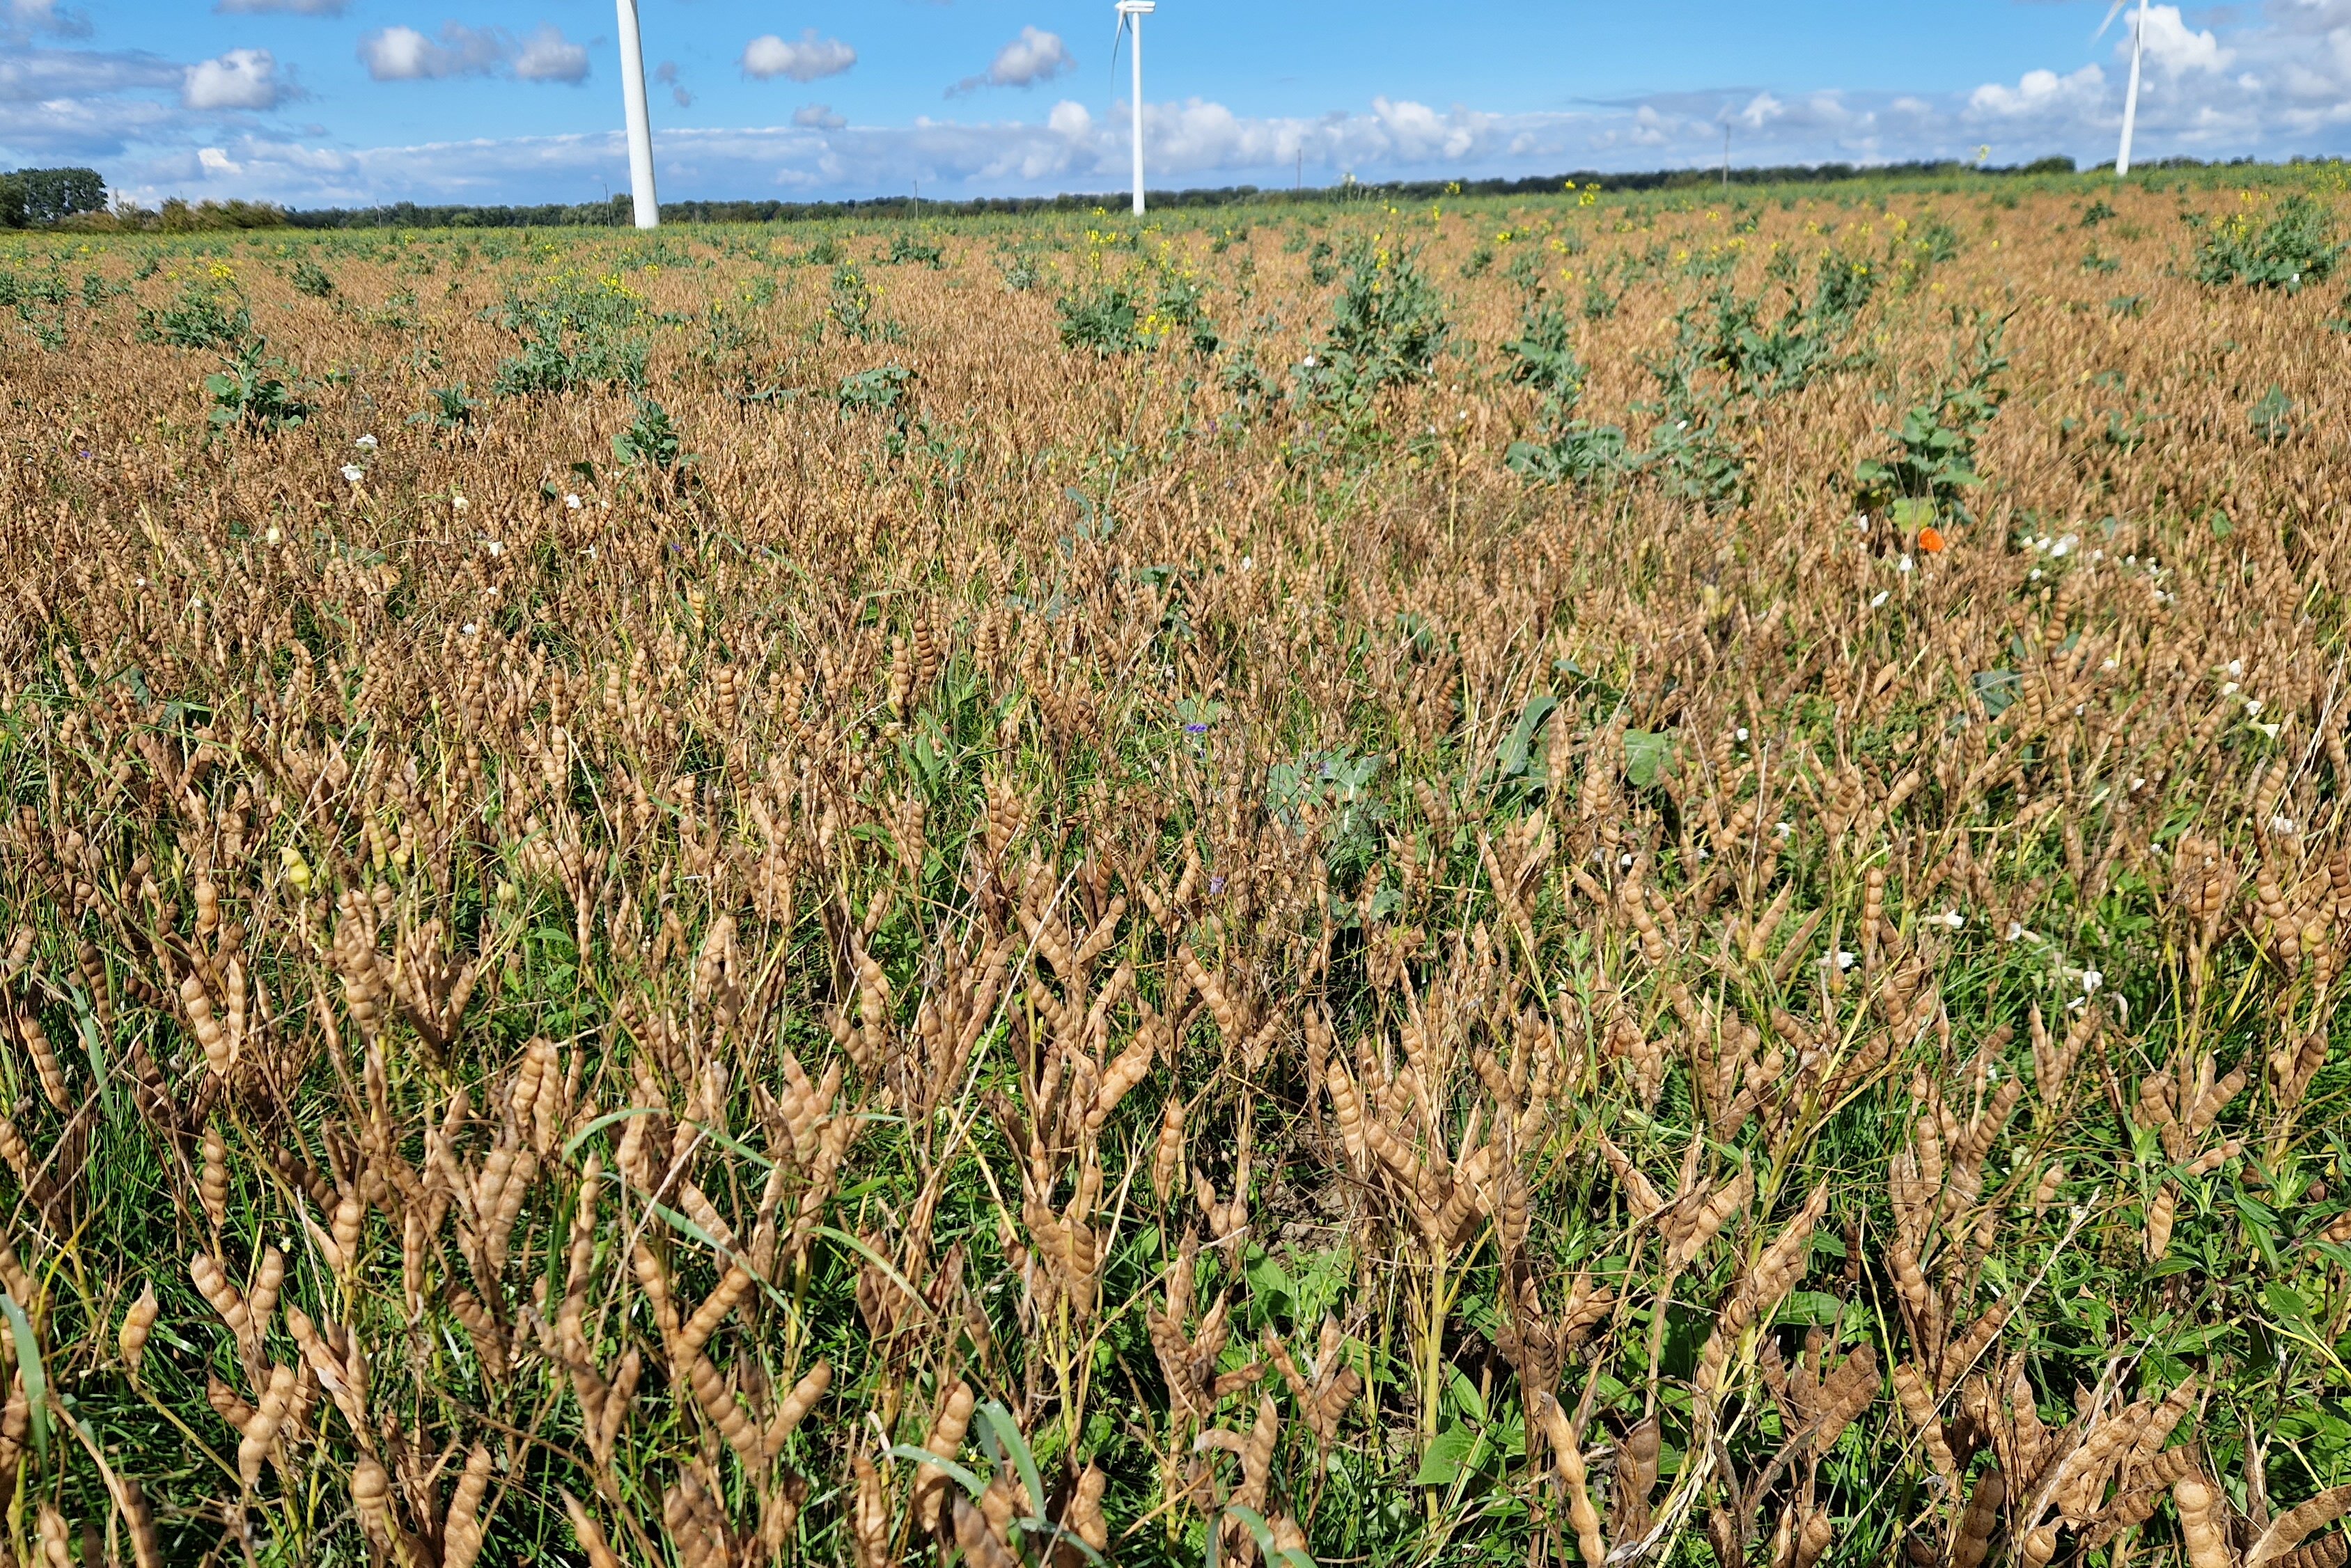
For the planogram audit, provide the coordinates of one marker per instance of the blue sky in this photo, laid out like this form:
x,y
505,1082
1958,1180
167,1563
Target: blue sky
x,y
320,102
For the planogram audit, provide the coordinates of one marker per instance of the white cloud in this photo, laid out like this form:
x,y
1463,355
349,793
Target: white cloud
x,y
811,58
2039,93
291,7
547,56
21,16
2269,82
403,54
241,79
1035,55
2173,48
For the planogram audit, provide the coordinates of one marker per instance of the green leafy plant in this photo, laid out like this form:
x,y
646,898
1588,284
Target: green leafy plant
x,y
885,389
1938,438
849,304
449,408
650,441
206,315
907,248
1387,330
1105,319
2296,247
251,393
2273,416
310,278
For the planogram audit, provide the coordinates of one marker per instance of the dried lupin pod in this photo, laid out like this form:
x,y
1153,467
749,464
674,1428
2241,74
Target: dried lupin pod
x,y
138,1322
2203,1529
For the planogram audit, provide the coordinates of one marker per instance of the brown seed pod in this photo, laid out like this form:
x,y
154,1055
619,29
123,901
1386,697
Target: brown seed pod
x,y
2203,1529
946,1440
590,1534
2289,1529
462,1529
138,1322
1972,1539
810,1388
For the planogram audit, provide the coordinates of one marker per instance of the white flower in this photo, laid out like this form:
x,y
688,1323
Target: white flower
x,y
2092,979
495,547
2015,929
470,628
2228,687
572,501
2137,785
1782,829
2252,707
353,473
1743,732
2033,576
1845,960
1952,918
2268,729
2236,667
2111,665
2281,823
366,443
1880,600
458,503
1249,563
273,535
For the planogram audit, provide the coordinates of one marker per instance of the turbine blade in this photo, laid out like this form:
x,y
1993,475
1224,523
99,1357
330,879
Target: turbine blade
x,y
2113,11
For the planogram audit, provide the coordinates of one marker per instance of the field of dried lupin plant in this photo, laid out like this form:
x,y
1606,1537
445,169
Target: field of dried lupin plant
x,y
1624,879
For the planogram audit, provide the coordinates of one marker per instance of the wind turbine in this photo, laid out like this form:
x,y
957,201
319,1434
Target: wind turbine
x,y
640,128
1131,13
2130,98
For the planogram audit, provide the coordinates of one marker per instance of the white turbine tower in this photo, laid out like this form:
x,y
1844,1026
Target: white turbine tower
x,y
1131,14
641,127
2130,98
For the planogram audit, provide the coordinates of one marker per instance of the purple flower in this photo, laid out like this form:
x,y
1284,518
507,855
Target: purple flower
x,y
1196,729
1216,885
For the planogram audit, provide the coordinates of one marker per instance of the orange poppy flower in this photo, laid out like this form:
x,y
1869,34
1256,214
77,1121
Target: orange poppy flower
x,y
1932,541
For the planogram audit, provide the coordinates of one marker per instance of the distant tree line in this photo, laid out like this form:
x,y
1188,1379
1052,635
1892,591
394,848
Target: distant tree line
x,y
29,196
77,198
617,213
